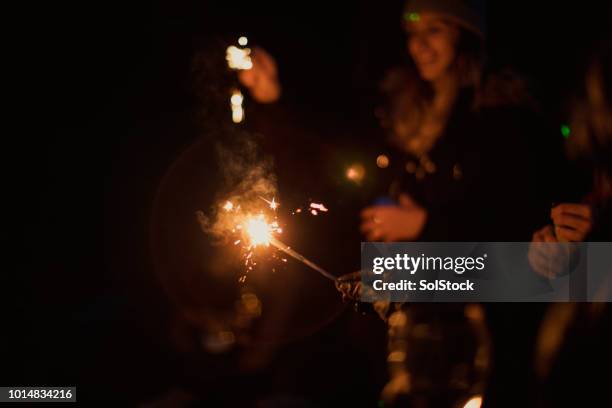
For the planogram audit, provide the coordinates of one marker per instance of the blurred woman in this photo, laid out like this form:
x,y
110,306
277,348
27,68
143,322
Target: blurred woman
x,y
575,337
463,137
466,151
591,139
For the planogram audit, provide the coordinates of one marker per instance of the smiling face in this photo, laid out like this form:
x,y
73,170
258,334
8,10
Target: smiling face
x,y
432,45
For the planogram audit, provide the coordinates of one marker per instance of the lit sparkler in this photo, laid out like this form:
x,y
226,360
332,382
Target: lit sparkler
x,y
237,110
317,206
257,231
260,232
228,206
238,58
273,204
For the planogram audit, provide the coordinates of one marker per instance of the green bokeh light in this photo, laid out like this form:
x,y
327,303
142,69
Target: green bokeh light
x,y
412,17
565,131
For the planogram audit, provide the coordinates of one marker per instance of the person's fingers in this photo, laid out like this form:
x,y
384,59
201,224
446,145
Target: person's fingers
x,y
374,234
549,237
548,234
565,218
247,77
366,229
537,249
368,213
406,201
349,277
264,61
580,210
572,221
540,265
537,255
537,237
548,262
569,234
367,226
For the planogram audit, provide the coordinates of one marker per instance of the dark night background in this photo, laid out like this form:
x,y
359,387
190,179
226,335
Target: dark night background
x,y
109,85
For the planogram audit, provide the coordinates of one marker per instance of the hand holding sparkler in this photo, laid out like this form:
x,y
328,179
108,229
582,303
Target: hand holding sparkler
x,y
349,286
551,249
352,289
546,255
262,78
573,222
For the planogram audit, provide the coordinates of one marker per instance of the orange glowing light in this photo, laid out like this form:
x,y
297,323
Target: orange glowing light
x,y
237,109
382,161
238,58
319,207
355,173
258,230
474,402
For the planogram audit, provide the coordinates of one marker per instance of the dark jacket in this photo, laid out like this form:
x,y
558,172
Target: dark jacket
x,y
482,180
489,177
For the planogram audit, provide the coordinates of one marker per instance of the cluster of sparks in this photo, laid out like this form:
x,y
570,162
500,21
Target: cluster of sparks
x,y
256,231
253,230
313,209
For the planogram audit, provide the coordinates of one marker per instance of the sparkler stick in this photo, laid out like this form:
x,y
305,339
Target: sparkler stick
x,y
238,58
286,249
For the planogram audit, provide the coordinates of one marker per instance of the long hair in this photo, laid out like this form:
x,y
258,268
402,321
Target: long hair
x,y
591,122
592,113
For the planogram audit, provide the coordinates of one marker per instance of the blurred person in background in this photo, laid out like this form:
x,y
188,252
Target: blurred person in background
x,y
461,136
466,148
575,337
